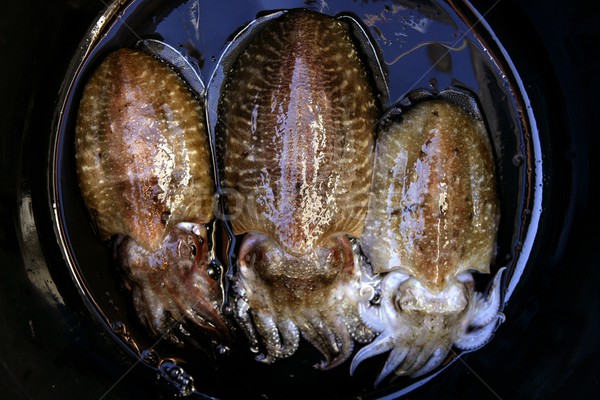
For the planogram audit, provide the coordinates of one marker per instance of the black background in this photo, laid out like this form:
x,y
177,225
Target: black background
x,y
549,347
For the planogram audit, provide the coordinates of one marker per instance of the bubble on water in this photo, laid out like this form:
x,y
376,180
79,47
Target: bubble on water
x,y
517,160
214,270
150,357
366,293
433,83
223,350
181,381
118,327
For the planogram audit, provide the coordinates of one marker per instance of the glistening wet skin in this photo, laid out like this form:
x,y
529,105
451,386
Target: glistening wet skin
x,y
303,274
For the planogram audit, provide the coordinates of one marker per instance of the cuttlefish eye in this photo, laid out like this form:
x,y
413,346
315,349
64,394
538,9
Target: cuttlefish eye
x,y
193,249
337,254
189,246
260,254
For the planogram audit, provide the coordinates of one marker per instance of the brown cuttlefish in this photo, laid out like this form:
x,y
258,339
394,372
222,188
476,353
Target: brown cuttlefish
x,y
145,174
296,131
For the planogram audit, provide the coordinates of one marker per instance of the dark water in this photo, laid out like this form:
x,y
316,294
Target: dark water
x,y
429,46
